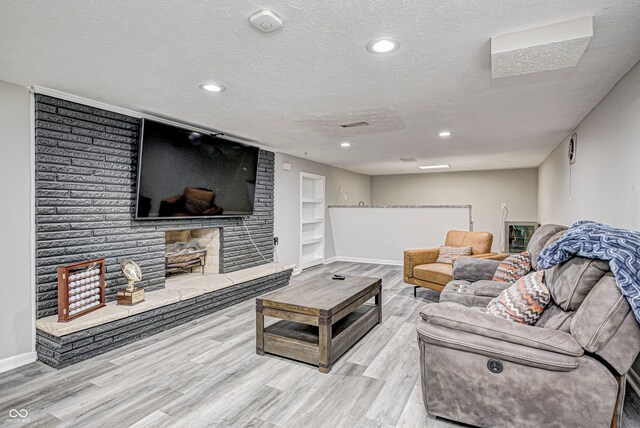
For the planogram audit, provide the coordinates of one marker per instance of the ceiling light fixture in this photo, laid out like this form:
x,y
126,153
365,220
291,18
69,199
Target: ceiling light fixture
x,y
433,166
345,144
212,87
383,45
444,134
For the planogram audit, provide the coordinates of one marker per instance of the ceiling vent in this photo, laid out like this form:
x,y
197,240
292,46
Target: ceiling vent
x,y
354,124
345,125
408,160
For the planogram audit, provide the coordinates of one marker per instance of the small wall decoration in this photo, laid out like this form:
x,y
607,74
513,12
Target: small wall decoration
x,y
573,147
80,289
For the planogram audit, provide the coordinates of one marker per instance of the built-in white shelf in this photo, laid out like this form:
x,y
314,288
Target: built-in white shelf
x,y
312,241
312,214
312,221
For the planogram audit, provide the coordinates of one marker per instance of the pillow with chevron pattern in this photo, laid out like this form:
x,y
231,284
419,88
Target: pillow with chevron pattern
x,y
513,268
523,301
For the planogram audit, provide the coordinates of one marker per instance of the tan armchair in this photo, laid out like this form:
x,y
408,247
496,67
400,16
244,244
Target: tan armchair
x,y
421,269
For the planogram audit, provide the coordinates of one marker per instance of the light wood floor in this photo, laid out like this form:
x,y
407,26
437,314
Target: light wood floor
x,y
206,373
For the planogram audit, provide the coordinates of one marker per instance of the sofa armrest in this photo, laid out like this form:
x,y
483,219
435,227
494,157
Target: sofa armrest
x,y
443,337
454,316
474,269
416,257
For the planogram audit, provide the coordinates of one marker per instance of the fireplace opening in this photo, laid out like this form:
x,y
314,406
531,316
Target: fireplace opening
x,y
192,251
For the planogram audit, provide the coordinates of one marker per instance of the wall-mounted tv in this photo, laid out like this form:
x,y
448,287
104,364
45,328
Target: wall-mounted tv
x,y
184,173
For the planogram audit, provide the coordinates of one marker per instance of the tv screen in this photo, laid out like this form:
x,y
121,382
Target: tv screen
x,y
185,174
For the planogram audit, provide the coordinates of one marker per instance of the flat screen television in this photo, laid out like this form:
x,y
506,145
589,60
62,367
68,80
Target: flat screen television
x,y
184,173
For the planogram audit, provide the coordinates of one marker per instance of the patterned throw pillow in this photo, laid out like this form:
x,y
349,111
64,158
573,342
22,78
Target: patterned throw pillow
x,y
450,254
523,301
513,268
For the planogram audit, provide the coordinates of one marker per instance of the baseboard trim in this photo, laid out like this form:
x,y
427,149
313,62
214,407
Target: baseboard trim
x,y
296,271
371,261
16,361
634,380
330,260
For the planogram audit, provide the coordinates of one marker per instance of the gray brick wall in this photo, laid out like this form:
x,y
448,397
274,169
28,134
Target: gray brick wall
x,y
86,160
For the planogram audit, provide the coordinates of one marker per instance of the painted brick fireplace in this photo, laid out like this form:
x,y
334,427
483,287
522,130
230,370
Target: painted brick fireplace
x,y
85,194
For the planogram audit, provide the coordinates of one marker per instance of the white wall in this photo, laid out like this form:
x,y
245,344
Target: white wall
x,y
604,182
605,179
339,184
484,190
16,304
380,235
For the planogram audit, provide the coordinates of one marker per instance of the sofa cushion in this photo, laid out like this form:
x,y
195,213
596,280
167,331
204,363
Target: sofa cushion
x,y
450,254
600,315
523,301
439,273
474,269
540,239
513,268
555,318
570,282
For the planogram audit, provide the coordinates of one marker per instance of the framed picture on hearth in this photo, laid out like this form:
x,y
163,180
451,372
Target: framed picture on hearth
x,y
80,289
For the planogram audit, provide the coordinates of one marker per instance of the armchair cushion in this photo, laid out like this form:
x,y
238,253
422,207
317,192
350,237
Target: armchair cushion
x,y
474,321
439,273
479,241
449,254
513,268
474,269
523,301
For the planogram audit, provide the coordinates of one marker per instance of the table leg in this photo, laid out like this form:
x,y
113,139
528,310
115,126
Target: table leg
x,y
378,302
259,329
325,344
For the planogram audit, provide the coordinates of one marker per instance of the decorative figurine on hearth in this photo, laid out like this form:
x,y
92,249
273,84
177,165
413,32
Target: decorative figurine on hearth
x,y
132,294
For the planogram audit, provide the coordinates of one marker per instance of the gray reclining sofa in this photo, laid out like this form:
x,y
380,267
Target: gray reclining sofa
x,y
567,370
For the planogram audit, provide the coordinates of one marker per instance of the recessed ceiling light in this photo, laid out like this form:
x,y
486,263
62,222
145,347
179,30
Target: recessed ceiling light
x,y
213,87
434,166
345,144
383,45
444,134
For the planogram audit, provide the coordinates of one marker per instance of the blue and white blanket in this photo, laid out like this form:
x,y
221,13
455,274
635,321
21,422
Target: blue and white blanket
x,y
620,247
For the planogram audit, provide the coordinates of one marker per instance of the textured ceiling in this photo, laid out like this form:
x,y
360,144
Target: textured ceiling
x,y
284,89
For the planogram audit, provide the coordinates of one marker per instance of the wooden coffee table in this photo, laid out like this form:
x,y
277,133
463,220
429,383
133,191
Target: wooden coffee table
x,y
321,318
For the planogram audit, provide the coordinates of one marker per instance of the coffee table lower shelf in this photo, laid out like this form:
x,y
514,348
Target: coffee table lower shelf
x,y
301,342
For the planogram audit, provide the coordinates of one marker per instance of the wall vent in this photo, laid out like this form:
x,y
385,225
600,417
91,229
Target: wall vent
x,y
354,124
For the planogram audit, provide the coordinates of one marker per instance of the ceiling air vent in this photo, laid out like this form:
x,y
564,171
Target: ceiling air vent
x,y
407,160
354,124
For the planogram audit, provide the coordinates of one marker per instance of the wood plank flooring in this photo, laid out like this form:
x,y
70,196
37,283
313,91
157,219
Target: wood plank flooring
x,y
206,373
